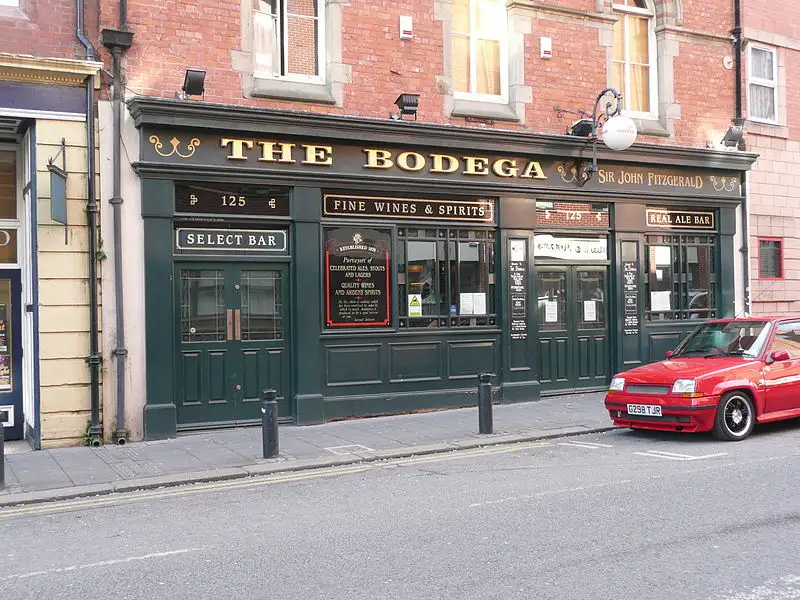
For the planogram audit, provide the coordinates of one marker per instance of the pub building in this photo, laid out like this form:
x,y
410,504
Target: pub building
x,y
364,267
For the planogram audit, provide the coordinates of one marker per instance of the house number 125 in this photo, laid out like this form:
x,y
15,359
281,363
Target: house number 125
x,y
234,200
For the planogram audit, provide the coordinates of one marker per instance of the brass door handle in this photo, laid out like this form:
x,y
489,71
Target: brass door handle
x,y
237,324
229,320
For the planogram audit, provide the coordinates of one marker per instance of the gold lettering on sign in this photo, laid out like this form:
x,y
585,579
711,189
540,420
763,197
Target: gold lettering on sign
x,y
534,171
604,176
439,162
418,160
476,165
237,147
378,159
318,155
505,167
276,152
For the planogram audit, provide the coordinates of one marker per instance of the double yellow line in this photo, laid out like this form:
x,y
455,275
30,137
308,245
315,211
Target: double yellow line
x,y
199,488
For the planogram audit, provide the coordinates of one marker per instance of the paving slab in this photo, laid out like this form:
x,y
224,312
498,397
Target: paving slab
x,y
233,453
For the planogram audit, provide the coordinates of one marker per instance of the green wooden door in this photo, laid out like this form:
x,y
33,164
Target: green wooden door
x,y
231,341
572,318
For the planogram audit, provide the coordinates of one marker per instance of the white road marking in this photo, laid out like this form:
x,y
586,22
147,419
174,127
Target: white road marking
x,y
341,450
103,563
587,445
787,587
674,456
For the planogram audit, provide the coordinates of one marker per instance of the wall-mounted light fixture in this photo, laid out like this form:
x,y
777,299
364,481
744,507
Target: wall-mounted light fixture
x,y
193,84
408,105
734,137
619,131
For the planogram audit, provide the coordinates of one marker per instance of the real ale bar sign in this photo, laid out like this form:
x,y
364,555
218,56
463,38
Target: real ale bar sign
x,y
357,289
680,219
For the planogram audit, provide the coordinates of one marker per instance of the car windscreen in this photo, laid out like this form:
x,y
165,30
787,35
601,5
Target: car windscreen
x,y
730,338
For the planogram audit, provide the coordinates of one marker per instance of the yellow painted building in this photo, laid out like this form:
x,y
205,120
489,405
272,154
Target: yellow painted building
x,y
47,325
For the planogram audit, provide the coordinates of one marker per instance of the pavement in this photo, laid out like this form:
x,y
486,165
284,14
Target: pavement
x,y
57,474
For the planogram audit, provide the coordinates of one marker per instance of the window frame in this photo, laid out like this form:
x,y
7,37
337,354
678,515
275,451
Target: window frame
x,y
503,97
682,311
652,55
447,235
773,83
283,52
780,261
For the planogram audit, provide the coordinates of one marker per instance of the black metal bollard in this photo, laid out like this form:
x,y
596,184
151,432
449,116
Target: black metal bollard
x,y
269,423
485,424
2,456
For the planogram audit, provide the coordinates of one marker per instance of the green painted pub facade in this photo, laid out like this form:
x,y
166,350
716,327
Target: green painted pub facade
x,y
364,267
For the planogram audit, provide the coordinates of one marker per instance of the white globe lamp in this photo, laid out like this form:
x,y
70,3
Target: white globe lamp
x,y
619,132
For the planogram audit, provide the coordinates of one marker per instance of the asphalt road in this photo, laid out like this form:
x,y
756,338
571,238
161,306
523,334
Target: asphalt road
x,y
621,515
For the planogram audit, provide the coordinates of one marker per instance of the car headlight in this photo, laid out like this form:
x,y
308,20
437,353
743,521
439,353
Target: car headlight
x,y
617,384
683,386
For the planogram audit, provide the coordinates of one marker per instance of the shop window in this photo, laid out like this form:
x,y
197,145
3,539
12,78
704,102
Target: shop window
x,y
770,258
445,278
633,60
681,277
288,39
479,53
762,96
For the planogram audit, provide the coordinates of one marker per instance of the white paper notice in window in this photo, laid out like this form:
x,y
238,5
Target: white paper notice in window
x,y
517,250
466,304
663,255
660,301
551,311
479,304
589,310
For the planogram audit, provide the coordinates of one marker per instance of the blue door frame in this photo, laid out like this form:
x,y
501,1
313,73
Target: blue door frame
x,y
11,383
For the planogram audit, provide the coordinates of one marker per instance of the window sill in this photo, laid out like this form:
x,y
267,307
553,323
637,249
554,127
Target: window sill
x,y
282,89
483,110
13,12
767,129
651,126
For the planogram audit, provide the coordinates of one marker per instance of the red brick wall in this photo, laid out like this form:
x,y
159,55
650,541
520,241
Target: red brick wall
x,y
47,28
774,183
171,36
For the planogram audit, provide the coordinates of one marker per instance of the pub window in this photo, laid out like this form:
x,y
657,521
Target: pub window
x,y
762,97
289,39
446,277
480,49
633,63
770,258
681,281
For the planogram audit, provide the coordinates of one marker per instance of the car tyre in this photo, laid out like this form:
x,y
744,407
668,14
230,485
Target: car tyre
x,y
735,417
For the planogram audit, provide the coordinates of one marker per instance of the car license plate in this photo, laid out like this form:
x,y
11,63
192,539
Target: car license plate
x,y
647,410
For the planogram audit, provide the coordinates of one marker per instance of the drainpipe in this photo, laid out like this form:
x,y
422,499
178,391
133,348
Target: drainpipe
x,y
117,40
739,120
92,209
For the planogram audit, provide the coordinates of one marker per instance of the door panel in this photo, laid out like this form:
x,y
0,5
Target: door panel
x,y
231,342
11,417
782,379
572,327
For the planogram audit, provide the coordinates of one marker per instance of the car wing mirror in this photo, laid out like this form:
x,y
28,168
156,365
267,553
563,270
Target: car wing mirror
x,y
669,353
778,356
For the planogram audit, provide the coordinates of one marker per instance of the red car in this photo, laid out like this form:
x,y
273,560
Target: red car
x,y
726,376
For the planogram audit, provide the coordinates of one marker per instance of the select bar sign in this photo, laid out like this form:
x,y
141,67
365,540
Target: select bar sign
x,y
231,240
